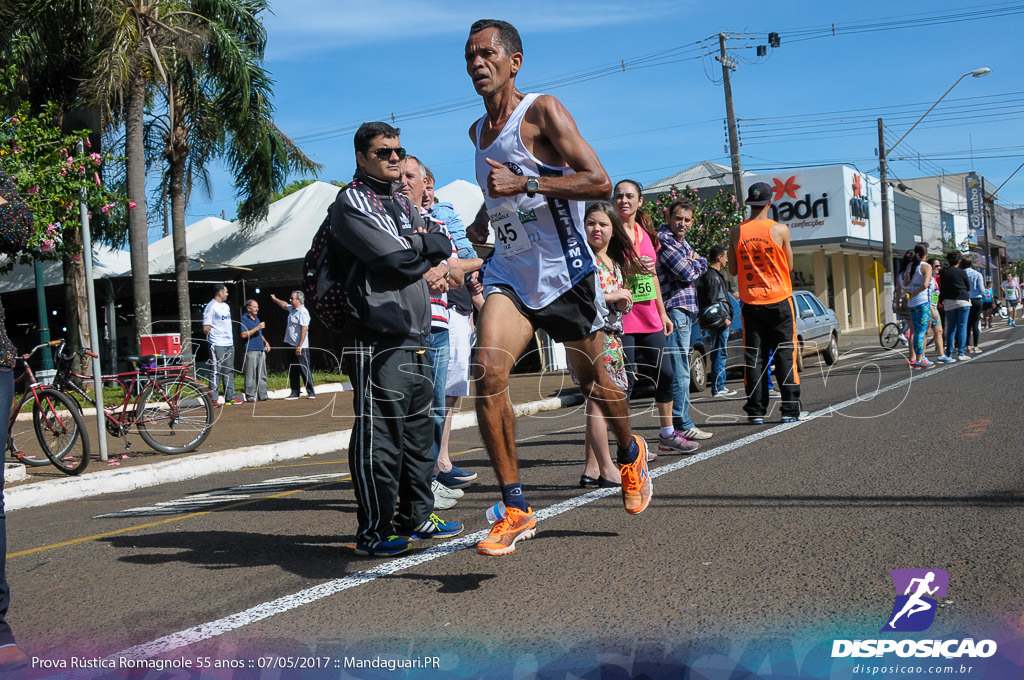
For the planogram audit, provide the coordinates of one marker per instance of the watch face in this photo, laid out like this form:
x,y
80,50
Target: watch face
x,y
532,184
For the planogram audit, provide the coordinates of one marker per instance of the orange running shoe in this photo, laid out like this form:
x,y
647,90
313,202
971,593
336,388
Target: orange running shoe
x,y
636,481
516,525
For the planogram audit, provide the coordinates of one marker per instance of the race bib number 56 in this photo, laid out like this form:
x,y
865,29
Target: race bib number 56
x,y
641,286
510,236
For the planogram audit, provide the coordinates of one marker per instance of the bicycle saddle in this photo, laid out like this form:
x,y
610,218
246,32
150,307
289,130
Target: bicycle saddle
x,y
148,359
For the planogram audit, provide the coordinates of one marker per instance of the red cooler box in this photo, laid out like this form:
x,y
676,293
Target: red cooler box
x,y
166,344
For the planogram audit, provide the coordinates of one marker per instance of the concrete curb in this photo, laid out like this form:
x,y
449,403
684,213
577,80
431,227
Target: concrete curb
x,y
14,472
192,467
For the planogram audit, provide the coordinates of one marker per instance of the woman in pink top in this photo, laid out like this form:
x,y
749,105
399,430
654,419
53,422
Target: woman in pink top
x,y
647,326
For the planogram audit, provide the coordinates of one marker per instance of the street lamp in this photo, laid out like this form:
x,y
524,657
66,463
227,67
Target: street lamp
x,y
886,239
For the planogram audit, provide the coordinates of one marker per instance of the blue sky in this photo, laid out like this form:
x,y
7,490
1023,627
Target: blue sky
x,y
814,100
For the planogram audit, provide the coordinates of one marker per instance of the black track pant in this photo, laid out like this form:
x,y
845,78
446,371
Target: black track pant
x,y
391,453
768,328
974,323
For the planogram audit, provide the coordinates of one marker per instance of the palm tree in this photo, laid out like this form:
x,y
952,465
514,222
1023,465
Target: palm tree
x,y
133,37
217,104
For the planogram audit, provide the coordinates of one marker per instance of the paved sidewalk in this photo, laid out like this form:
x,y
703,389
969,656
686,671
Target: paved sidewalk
x,y
257,434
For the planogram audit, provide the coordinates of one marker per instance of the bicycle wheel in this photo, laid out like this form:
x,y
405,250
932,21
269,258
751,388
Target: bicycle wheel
x,y
890,335
175,415
21,436
60,430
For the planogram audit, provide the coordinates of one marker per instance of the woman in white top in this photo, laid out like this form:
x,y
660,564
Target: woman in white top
x,y
916,279
1011,293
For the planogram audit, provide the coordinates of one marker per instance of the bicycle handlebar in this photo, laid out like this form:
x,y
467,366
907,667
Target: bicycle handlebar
x,y
84,351
52,343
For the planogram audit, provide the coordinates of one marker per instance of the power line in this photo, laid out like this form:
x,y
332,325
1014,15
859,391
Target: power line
x,y
836,30
656,59
807,132
672,55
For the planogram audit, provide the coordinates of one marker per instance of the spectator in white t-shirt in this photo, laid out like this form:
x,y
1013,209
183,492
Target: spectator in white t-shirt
x,y
1011,294
296,334
217,327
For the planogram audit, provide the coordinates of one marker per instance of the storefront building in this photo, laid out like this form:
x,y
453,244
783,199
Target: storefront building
x,y
834,215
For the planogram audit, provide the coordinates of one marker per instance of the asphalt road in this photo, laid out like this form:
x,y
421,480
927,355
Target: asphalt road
x,y
757,552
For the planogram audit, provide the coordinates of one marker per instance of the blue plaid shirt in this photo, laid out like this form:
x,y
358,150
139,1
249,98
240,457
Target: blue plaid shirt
x,y
679,267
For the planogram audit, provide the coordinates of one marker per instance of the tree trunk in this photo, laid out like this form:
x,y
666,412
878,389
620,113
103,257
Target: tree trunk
x,y
138,233
177,194
76,299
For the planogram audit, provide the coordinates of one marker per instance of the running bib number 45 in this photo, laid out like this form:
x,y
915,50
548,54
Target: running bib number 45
x,y
642,287
510,236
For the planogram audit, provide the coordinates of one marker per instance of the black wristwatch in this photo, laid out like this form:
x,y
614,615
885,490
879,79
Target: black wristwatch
x,y
532,186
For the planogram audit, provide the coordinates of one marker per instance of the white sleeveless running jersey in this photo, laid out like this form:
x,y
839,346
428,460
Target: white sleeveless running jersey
x,y
546,252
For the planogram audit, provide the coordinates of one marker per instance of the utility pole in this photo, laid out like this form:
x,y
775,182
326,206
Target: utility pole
x,y
44,320
94,334
984,226
728,63
942,180
887,280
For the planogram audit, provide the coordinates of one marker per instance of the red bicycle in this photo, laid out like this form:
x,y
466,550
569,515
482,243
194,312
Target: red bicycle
x,y
46,425
173,412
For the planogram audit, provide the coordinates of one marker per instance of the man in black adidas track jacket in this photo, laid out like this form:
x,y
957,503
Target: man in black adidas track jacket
x,y
375,230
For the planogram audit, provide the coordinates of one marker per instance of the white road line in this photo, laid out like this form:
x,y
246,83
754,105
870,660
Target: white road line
x,y
205,631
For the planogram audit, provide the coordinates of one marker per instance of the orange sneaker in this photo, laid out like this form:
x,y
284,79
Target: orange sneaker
x,y
516,525
636,481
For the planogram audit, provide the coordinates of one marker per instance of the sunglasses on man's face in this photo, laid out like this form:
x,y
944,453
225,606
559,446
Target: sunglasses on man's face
x,y
384,152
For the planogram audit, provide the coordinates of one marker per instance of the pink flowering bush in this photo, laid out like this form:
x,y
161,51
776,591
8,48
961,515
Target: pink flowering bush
x,y
53,178
711,220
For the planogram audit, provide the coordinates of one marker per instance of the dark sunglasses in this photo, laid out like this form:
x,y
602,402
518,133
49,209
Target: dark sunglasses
x,y
384,153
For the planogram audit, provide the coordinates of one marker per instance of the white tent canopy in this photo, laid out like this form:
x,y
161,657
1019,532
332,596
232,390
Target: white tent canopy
x,y
284,235
106,262
464,196
161,253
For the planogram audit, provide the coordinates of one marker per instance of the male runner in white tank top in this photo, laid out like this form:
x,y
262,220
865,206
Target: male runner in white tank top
x,y
536,170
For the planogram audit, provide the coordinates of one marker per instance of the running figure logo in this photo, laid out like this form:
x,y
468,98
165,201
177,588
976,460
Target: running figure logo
x,y
916,590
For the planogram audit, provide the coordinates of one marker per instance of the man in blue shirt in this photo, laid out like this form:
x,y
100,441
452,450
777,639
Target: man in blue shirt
x,y
254,366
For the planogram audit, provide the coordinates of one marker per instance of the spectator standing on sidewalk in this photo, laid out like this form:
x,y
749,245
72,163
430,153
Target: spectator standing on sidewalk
x,y
938,310
916,281
254,364
761,258
988,304
460,334
713,289
1011,293
217,327
16,226
447,276
381,240
954,294
679,268
647,326
977,293
611,246
296,334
